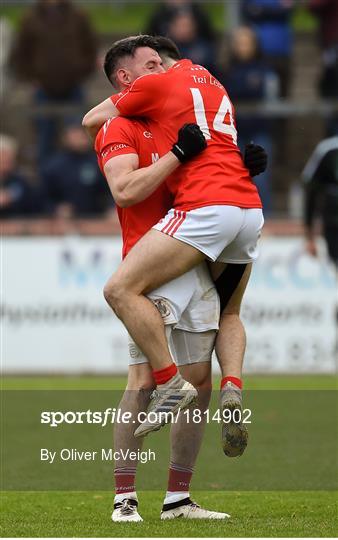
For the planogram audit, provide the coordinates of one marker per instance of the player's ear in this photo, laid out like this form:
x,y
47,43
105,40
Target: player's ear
x,y
123,76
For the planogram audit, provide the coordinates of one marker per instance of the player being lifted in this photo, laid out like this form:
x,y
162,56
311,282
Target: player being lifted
x,y
216,214
189,306
128,156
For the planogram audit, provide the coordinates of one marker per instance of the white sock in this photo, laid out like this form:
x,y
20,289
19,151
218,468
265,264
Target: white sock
x,y
119,497
174,496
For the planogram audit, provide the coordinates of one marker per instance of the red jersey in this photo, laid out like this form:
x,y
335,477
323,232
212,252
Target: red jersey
x,y
124,136
188,93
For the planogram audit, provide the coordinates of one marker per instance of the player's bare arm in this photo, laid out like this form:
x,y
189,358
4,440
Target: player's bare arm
x,y
130,185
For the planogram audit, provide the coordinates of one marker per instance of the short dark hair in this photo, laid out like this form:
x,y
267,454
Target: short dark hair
x,y
166,47
125,47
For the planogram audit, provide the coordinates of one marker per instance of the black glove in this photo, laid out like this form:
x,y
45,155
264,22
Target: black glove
x,y
255,159
190,142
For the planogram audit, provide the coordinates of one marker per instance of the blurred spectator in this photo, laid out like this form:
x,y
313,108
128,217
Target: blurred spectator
x,y
321,196
271,21
17,197
71,178
327,13
248,79
166,11
6,33
183,30
55,50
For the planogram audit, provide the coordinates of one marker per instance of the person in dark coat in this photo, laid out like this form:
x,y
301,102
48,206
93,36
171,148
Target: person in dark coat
x,y
326,11
320,178
72,182
248,79
18,198
55,50
183,30
166,11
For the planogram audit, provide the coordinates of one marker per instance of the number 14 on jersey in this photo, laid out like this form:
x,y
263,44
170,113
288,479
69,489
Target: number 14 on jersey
x,y
219,124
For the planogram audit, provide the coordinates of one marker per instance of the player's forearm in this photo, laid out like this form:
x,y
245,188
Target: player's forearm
x,y
96,117
137,185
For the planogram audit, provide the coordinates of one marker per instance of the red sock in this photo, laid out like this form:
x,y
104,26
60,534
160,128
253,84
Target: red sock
x,y
234,380
124,479
179,478
162,376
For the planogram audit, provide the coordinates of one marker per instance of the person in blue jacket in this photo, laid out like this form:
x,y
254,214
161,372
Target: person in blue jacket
x,y
271,20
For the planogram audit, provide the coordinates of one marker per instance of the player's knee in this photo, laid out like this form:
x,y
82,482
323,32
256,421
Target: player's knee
x,y
201,381
204,382
113,293
204,389
108,293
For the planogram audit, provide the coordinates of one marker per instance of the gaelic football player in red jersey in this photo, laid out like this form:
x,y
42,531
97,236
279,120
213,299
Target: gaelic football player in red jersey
x,y
128,156
216,214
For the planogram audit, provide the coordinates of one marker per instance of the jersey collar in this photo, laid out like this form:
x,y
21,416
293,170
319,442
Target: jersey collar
x,y
181,64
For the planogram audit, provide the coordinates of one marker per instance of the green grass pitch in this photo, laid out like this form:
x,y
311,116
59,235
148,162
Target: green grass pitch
x,y
253,513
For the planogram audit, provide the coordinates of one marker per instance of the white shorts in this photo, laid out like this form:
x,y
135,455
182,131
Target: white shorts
x,y
223,233
185,347
189,304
